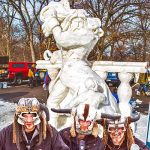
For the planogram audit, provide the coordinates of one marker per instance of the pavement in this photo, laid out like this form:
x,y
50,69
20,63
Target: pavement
x,y
14,93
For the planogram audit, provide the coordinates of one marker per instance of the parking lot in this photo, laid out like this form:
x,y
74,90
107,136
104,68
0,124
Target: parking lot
x,y
14,93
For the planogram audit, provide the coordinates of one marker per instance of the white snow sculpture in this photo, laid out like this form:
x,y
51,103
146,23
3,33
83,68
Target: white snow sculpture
x,y
76,34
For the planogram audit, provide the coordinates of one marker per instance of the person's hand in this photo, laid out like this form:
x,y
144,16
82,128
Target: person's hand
x,y
52,15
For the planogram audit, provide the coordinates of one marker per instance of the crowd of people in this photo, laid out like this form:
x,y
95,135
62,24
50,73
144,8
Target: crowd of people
x,y
30,130
33,75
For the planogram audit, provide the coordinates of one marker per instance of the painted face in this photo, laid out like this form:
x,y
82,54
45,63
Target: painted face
x,y
84,125
85,118
116,133
29,122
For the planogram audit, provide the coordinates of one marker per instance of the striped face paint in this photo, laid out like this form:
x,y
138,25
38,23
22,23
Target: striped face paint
x,y
85,118
86,111
117,133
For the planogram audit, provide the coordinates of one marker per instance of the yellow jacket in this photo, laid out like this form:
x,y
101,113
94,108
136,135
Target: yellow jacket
x,y
30,74
143,78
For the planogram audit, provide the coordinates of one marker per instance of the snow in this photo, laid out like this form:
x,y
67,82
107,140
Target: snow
x,y
6,113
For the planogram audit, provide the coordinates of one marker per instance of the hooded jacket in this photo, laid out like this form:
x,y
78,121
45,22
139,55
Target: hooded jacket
x,y
53,141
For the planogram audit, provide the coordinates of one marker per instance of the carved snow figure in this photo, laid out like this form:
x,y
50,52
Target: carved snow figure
x,y
76,34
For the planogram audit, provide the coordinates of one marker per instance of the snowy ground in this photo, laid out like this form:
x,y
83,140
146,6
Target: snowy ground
x,y
7,112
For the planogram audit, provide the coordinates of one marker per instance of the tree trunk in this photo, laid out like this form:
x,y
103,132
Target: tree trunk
x,y
8,43
144,48
112,52
32,47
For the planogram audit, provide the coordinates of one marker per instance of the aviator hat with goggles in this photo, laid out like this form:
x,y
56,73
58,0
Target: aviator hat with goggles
x,y
40,113
28,106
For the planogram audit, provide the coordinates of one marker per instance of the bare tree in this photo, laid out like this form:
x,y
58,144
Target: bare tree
x,y
114,14
28,12
142,25
7,15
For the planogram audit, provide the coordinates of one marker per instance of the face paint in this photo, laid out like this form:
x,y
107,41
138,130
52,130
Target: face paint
x,y
117,133
84,125
84,119
29,122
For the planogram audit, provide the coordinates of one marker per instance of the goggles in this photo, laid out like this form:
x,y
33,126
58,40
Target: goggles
x,y
21,119
84,127
112,128
82,122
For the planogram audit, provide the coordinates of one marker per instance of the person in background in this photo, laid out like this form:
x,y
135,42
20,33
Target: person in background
x,y
47,80
30,129
31,74
114,93
143,81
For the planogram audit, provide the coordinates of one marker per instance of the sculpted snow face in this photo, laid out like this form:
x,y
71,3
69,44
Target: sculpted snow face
x,y
76,34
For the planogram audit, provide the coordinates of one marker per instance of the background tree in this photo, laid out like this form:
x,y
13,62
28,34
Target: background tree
x,y
7,28
117,20
125,23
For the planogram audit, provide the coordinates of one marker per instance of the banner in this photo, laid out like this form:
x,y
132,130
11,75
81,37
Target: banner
x,y
148,129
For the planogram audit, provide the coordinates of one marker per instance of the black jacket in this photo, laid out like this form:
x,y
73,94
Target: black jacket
x,y
91,143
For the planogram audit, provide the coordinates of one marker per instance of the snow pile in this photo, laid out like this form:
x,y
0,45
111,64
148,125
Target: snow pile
x,y
6,113
142,128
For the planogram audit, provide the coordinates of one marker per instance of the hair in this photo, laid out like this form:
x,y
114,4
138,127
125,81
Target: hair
x,y
105,132
129,134
73,128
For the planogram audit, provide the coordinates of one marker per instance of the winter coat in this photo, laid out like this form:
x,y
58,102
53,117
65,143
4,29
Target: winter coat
x,y
30,73
91,143
110,146
53,141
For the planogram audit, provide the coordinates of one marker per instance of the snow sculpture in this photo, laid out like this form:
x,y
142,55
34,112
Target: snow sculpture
x,y
75,34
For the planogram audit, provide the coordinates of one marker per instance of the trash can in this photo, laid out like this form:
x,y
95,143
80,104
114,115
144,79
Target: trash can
x,y
4,85
1,85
